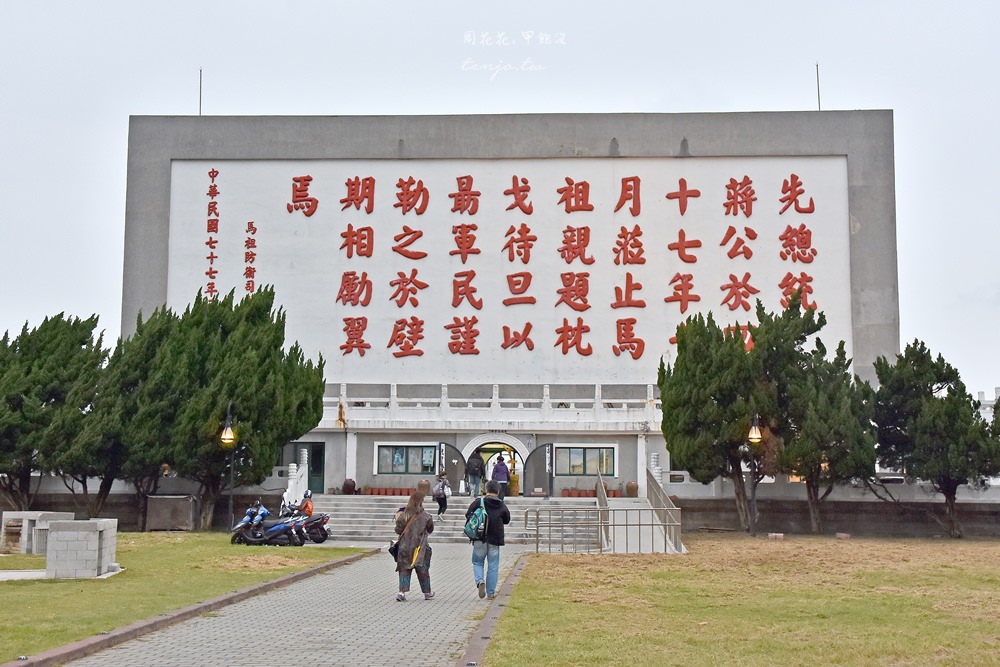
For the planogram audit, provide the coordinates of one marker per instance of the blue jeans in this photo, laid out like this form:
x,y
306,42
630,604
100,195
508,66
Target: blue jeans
x,y
474,485
489,554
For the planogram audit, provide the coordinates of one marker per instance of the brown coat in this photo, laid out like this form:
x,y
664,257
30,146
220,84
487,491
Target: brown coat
x,y
413,548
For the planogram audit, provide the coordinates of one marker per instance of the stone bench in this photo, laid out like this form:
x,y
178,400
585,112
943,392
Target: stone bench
x,y
29,521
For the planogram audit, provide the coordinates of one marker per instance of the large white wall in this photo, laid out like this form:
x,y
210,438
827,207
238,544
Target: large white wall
x,y
845,160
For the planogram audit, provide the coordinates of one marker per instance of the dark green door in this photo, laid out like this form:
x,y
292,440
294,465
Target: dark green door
x,y
317,452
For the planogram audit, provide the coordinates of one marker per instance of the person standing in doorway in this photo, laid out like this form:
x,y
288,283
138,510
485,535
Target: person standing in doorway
x,y
475,468
486,553
441,492
501,475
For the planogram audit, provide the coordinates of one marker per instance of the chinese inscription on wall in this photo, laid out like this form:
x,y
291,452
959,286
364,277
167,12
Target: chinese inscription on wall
x,y
500,270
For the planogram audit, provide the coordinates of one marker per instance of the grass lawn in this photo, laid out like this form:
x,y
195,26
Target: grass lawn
x,y
733,600
163,572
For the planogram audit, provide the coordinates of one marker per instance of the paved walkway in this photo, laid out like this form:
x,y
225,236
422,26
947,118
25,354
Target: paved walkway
x,y
345,616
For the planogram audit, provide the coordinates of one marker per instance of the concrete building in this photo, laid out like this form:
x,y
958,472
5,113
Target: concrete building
x,y
511,283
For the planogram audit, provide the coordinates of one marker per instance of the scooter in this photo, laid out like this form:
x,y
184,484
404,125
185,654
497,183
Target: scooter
x,y
308,527
262,530
243,525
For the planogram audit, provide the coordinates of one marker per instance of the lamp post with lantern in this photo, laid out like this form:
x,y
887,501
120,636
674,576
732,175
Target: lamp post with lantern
x,y
228,439
753,437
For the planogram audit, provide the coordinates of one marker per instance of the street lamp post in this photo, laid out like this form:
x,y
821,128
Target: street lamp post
x,y
753,437
228,439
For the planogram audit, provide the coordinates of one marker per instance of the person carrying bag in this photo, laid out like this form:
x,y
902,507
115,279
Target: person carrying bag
x,y
413,525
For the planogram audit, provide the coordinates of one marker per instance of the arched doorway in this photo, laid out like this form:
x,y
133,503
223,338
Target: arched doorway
x,y
494,445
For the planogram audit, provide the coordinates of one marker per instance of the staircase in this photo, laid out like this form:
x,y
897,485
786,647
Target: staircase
x,y
356,519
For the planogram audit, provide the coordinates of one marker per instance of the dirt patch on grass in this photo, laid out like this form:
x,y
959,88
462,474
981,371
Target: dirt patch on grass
x,y
263,561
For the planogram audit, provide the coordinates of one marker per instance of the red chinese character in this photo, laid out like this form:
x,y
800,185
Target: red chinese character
x,y
212,226
412,196
624,296
466,200
251,228
406,288
575,196
405,239
681,247
249,272
212,273
212,243
360,190
361,241
463,335
743,331
461,288
213,174
740,196
628,247
515,338
250,242
739,292
211,257
355,289
518,284
739,247
570,336
213,209
575,242
520,194
210,291
249,257
792,189
213,191
405,335
301,201
627,341
682,291
576,287
465,241
791,284
797,244
682,194
355,327
519,242
630,192
249,286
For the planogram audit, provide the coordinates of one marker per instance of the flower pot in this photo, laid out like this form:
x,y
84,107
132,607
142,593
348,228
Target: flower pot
x,y
632,489
565,493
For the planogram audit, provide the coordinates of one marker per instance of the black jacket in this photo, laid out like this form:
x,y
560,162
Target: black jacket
x,y
498,515
476,466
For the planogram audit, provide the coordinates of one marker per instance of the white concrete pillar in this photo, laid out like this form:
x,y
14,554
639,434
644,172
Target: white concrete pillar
x,y
640,463
351,465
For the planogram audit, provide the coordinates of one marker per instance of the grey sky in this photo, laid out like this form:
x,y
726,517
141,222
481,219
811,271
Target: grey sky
x,y
72,72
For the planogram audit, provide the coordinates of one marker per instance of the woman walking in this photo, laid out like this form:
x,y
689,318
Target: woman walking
x,y
413,525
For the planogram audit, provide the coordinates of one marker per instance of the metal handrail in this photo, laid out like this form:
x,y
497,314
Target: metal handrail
x,y
602,503
613,530
670,514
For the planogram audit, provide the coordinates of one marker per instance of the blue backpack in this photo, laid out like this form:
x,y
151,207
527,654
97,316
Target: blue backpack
x,y
475,527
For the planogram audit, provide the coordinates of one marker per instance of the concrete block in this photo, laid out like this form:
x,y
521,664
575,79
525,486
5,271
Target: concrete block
x,y
80,549
776,536
843,536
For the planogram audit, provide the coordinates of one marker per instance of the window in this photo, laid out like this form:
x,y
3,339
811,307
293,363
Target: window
x,y
406,459
585,460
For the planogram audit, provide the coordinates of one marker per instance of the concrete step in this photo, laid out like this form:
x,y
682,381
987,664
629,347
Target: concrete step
x,y
369,518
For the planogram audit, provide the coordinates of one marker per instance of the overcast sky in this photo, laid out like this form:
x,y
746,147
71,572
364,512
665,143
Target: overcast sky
x,y
72,72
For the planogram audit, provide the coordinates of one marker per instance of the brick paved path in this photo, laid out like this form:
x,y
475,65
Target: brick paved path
x,y
345,616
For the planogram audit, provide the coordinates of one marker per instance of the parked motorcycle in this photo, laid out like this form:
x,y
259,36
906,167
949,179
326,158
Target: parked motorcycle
x,y
309,526
256,528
